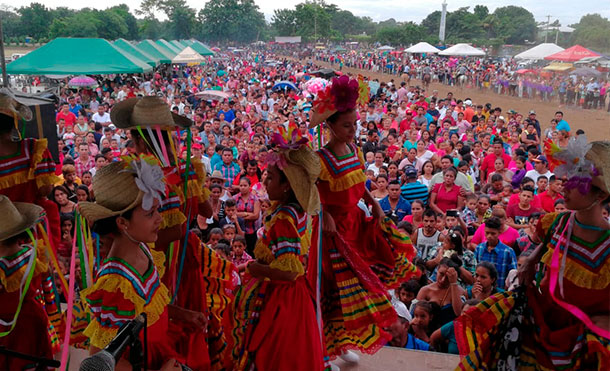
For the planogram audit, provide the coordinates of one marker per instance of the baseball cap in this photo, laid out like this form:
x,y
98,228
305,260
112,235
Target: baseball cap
x,y
501,118
541,158
401,309
410,172
112,127
468,102
532,112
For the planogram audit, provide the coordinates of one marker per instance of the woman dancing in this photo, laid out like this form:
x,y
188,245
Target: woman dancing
x,y
274,317
361,257
129,281
562,321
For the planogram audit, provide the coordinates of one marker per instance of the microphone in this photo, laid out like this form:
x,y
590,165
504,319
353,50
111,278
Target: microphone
x,y
106,359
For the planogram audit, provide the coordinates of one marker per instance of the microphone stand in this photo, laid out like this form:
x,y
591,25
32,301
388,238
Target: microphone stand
x,y
138,351
41,362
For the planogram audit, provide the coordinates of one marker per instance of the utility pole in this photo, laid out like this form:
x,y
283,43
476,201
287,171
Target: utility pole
x,y
441,30
3,62
548,24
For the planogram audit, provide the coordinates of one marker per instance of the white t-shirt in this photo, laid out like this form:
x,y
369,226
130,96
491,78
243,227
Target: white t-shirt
x,y
102,119
534,175
375,168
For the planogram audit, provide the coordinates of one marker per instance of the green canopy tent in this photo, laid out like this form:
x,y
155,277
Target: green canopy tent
x,y
155,50
178,44
76,56
199,47
136,52
169,47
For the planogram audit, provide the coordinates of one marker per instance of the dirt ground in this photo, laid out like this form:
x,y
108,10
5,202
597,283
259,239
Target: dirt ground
x,y
595,123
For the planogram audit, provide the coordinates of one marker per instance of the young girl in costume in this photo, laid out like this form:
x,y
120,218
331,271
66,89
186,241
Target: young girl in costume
x,y
562,319
27,174
275,321
362,257
195,277
23,266
128,282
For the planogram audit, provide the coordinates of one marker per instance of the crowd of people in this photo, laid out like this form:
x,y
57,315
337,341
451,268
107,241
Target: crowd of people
x,y
403,209
505,76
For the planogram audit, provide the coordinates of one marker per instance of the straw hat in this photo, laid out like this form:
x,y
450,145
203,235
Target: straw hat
x,y
316,118
146,112
9,106
599,154
302,170
115,193
217,174
17,217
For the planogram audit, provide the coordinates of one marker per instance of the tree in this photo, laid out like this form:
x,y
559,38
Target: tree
x,y
35,20
181,17
10,22
592,31
284,22
130,20
231,20
515,24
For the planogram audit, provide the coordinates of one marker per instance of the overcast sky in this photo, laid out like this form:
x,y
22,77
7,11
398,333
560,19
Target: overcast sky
x,y
411,10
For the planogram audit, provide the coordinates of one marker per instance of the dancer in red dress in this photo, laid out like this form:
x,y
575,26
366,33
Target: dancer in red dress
x,y
362,257
275,322
24,328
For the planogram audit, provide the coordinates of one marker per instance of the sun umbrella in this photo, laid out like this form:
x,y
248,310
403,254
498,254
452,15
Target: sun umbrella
x,y
284,85
324,72
585,71
212,95
82,81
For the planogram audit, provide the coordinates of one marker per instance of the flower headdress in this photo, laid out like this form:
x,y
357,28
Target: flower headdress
x,y
148,177
299,163
343,94
572,163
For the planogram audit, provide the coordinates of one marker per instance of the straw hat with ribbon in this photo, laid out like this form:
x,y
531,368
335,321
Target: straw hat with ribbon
x,y
341,95
17,217
301,166
148,111
9,106
122,186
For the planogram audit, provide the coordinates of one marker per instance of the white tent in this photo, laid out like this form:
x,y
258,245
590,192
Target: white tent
x,y
539,51
422,47
385,47
188,55
463,50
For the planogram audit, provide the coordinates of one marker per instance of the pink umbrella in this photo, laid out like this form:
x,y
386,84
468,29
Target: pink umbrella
x,y
82,81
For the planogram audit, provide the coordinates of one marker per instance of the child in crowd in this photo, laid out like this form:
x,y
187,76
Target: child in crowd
x,y
407,292
214,236
239,256
228,232
424,323
530,240
512,280
469,213
560,206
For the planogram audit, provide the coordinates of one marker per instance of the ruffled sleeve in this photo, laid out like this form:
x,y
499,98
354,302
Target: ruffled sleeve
x,y
284,243
12,281
341,178
158,258
43,166
110,309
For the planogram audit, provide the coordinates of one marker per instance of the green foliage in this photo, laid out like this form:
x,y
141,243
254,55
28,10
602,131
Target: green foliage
x,y
515,25
592,31
240,21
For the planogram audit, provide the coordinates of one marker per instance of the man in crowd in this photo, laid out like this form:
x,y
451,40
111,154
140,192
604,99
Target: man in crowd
x,y
413,190
393,204
65,114
101,116
552,194
460,179
518,214
540,168
427,240
228,168
487,166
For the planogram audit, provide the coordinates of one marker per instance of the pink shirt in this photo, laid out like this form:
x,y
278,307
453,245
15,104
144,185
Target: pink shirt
x,y
508,237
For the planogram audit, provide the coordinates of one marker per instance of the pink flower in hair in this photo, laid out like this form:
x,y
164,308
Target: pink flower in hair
x,y
345,93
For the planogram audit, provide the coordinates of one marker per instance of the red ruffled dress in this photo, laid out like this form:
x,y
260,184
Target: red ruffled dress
x,y
275,324
30,335
360,263
121,293
552,336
